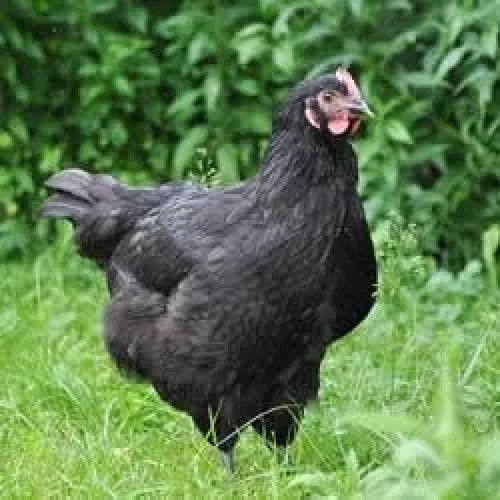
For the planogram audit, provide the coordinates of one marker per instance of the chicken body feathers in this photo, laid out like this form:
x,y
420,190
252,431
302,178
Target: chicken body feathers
x,y
226,299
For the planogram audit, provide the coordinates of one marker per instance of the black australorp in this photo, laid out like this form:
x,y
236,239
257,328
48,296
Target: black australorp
x,y
226,299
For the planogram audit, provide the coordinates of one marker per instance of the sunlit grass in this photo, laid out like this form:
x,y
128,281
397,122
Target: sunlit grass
x,y
409,403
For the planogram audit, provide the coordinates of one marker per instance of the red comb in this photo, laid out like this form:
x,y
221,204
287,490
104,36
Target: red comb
x,y
345,77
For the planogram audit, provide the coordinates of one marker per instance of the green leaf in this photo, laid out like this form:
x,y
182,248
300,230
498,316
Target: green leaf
x,y
18,128
426,152
283,57
33,49
489,41
150,70
51,159
356,7
91,36
23,182
420,80
104,162
200,47
313,480
158,158
185,104
138,18
481,79
212,87
398,132
252,29
227,164
254,120
122,86
90,93
88,69
184,152
491,243
453,57
165,28
281,25
247,86
5,140
87,151
101,6
15,38
117,133
250,49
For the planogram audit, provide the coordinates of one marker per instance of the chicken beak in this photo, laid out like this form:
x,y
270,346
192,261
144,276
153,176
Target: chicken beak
x,y
358,106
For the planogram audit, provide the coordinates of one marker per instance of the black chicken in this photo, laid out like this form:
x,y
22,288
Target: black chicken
x,y
226,299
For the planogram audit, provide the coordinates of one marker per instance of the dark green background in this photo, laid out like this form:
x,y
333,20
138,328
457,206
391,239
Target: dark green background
x,y
134,88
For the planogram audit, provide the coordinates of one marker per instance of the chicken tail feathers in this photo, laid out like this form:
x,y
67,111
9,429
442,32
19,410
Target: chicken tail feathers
x,y
100,208
63,206
72,198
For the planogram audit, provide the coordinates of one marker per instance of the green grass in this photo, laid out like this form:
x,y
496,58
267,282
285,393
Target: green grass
x,y
409,404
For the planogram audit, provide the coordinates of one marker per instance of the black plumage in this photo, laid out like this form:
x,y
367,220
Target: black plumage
x,y
226,299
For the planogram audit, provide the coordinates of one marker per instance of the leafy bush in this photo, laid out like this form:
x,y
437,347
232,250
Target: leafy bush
x,y
135,89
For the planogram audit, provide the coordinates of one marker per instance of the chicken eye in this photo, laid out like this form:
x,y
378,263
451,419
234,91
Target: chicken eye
x,y
327,97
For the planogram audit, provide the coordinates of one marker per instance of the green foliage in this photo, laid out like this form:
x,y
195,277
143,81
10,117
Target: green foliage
x,y
408,403
135,88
